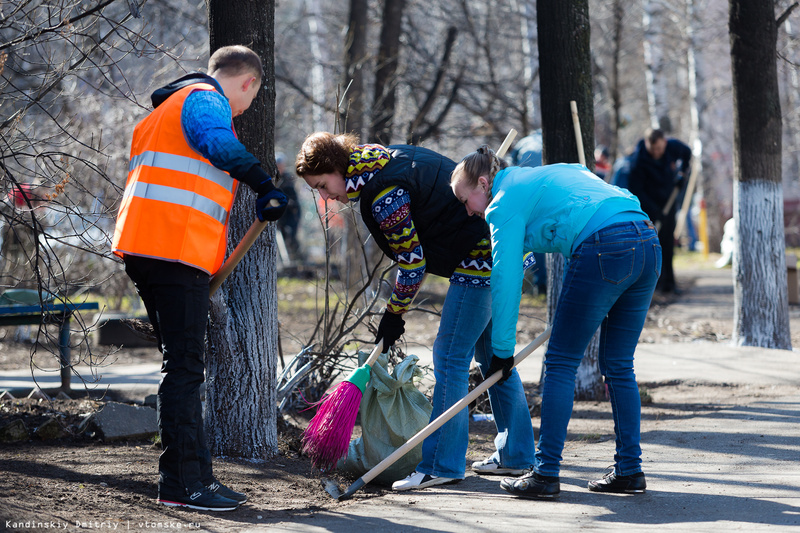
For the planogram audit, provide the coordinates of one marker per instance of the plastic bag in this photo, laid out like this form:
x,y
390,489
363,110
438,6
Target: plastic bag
x,y
392,411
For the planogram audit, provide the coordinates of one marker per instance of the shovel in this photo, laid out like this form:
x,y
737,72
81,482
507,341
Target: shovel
x,y
333,489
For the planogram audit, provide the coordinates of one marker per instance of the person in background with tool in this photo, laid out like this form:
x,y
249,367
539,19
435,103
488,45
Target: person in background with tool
x,y
614,260
658,172
408,207
289,223
171,233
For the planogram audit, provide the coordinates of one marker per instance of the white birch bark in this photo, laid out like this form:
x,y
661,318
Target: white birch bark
x,y
317,74
649,67
761,301
694,120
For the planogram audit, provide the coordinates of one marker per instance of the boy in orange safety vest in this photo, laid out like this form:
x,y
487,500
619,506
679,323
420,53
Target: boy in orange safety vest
x,y
171,232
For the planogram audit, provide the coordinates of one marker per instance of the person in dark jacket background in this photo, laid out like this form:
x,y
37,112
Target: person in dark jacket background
x,y
411,212
659,166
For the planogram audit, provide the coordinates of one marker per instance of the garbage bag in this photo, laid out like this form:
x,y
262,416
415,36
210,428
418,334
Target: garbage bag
x,y
392,411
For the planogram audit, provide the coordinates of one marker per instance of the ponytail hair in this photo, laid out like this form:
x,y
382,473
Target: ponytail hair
x,y
324,153
482,162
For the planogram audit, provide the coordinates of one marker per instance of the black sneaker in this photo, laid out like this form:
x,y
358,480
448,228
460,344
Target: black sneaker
x,y
532,485
199,498
611,482
221,490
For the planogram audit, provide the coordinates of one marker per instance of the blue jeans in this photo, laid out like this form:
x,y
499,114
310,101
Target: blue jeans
x,y
608,283
465,329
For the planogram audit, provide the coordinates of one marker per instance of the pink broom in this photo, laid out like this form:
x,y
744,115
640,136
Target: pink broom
x,y
327,436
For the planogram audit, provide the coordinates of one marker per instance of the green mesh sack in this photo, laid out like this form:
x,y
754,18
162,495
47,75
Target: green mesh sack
x,y
392,411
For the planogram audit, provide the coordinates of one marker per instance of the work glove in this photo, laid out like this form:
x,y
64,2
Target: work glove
x,y
499,363
271,202
390,329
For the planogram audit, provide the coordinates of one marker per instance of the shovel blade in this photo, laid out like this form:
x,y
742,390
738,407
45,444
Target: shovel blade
x,y
332,488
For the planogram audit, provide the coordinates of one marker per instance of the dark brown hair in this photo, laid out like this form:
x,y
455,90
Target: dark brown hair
x,y
235,60
482,162
324,153
653,134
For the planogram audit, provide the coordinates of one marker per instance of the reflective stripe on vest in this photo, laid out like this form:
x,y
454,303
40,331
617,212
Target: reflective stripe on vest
x,y
162,193
180,163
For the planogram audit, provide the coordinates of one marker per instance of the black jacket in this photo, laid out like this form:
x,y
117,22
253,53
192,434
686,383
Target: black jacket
x,y
652,181
447,234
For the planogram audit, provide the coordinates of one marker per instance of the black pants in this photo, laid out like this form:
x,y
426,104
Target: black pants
x,y
666,239
177,300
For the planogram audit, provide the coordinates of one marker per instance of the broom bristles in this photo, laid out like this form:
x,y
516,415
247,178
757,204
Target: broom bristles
x,y
327,436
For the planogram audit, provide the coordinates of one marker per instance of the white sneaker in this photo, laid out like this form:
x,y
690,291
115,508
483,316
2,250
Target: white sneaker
x,y
491,466
417,480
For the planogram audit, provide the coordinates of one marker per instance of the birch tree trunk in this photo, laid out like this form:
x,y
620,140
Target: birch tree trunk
x,y
694,120
565,75
761,305
317,74
649,67
240,408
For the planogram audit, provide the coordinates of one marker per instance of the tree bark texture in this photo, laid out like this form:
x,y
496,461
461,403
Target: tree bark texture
x,y
565,74
761,306
240,408
355,58
385,101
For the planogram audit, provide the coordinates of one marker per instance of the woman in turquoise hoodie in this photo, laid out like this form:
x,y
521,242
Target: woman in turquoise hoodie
x,y
614,260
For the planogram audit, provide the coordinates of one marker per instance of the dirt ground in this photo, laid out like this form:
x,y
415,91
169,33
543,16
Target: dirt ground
x,y
76,482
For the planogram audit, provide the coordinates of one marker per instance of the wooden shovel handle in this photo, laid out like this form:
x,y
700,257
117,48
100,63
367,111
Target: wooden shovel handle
x,y
238,253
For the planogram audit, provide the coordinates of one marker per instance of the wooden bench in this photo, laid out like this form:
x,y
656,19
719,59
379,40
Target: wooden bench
x,y
50,313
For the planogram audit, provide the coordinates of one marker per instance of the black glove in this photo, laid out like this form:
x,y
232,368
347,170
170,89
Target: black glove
x,y
390,329
271,202
270,205
506,365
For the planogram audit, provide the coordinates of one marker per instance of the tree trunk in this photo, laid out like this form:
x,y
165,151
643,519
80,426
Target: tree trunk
x,y
761,306
384,102
565,75
317,72
240,409
355,56
649,67
694,122
614,89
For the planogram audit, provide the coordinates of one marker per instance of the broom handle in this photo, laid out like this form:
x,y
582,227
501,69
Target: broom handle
x,y
374,354
506,143
450,413
576,124
238,253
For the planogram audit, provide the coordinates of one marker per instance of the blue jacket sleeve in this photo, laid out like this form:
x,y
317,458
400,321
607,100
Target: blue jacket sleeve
x,y
508,237
206,121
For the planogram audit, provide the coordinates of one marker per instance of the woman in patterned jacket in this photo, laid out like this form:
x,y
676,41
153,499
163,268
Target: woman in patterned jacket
x,y
408,207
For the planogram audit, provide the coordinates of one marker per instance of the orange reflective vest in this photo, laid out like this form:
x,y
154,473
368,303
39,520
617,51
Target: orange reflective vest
x,y
176,203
